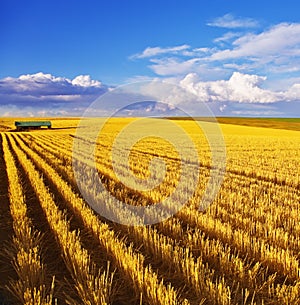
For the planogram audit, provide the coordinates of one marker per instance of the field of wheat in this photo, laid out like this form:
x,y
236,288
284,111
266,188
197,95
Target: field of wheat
x,y
242,249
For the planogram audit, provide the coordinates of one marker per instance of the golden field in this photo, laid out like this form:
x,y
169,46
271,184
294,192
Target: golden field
x,y
243,249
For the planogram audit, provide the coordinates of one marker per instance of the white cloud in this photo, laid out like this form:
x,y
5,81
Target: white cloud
x,y
279,42
202,50
154,51
239,88
172,66
39,77
240,94
227,37
293,93
85,81
275,50
175,67
231,22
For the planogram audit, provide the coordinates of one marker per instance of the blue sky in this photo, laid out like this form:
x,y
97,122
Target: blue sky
x,y
58,56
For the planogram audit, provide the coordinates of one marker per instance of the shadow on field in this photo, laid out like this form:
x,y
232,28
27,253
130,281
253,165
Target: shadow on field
x,y
41,129
7,272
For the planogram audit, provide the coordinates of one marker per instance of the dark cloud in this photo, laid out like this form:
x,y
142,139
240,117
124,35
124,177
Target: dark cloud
x,y
44,93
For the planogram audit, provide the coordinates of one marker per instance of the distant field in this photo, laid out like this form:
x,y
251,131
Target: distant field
x,y
242,250
277,123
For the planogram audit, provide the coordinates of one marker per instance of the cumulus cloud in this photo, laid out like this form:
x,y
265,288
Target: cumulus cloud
x,y
85,81
231,22
239,88
35,93
40,84
240,94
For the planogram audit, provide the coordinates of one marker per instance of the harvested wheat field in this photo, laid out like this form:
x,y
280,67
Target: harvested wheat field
x,y
243,249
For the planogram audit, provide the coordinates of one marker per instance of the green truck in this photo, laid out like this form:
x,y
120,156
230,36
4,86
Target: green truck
x,y
27,125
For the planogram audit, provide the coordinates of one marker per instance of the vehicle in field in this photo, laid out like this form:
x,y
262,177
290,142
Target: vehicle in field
x,y
28,125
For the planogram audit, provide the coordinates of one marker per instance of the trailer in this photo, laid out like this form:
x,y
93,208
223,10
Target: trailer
x,y
28,125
